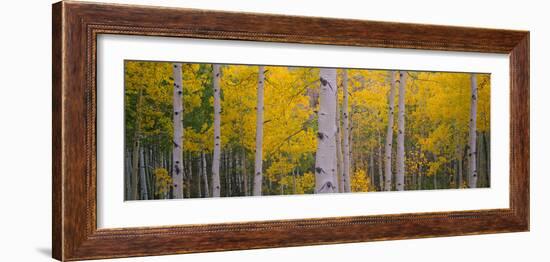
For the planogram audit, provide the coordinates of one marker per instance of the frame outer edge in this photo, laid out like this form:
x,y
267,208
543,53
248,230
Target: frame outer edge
x,y
72,240
520,129
57,129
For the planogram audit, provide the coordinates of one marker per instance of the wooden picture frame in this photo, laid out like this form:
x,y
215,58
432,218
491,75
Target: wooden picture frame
x,y
76,26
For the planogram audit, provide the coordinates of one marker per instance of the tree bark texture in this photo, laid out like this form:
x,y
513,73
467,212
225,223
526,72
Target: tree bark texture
x,y
258,158
389,136
217,133
142,178
346,131
177,169
472,141
244,173
205,175
325,158
380,163
400,176
135,150
339,153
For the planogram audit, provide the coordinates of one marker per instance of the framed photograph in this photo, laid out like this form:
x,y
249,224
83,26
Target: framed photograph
x,y
180,130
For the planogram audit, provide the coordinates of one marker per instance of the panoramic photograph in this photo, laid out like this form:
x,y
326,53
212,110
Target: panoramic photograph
x,y
199,130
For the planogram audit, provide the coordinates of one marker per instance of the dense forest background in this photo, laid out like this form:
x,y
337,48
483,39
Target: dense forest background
x,y
203,130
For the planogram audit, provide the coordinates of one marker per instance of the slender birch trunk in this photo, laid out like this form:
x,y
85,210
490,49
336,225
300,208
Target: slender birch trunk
x,y
460,175
128,176
339,153
400,177
389,136
166,194
420,174
177,170
371,168
225,171
148,177
345,118
217,133
205,175
137,146
487,158
238,175
199,177
135,169
142,178
258,158
380,164
230,172
459,171
482,181
363,164
472,150
325,158
244,173
350,143
479,160
189,174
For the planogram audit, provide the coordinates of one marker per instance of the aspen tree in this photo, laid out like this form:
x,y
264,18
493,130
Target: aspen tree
x,y
177,169
472,143
389,135
217,133
258,158
142,179
205,175
339,153
346,131
325,158
400,175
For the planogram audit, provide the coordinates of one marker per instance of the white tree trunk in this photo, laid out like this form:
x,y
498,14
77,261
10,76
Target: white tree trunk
x,y
400,175
238,167
135,168
205,176
472,150
351,163
217,133
177,161
420,174
199,177
127,176
325,158
460,172
244,174
189,174
225,169
339,156
346,131
135,150
229,172
258,173
389,136
458,178
142,178
380,163
371,168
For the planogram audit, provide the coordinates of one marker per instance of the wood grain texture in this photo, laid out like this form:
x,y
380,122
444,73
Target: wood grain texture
x,y
57,199
76,26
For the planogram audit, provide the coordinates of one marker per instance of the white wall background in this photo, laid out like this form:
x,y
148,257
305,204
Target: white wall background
x,y
25,130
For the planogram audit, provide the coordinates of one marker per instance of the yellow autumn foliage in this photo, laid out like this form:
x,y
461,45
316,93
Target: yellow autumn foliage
x,y
437,112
